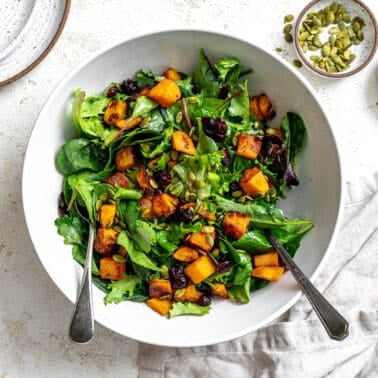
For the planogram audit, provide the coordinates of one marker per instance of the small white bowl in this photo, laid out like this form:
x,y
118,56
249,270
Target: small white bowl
x,y
364,52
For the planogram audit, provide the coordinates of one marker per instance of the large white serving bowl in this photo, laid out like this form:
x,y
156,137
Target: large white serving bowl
x,y
319,195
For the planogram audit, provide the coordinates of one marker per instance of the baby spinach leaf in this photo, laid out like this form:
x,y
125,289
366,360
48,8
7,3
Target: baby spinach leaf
x,y
204,77
73,230
186,86
79,154
79,255
147,79
144,235
143,105
296,135
136,255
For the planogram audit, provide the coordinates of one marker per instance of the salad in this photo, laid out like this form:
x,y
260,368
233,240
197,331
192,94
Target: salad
x,y
180,173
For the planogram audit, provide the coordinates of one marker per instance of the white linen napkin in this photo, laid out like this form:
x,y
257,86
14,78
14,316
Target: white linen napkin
x,y
299,346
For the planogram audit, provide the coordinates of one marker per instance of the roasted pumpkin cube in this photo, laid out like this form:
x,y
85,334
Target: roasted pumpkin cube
x,y
118,179
126,158
253,182
265,107
165,93
188,294
160,288
200,269
202,240
129,123
182,142
185,254
235,224
164,204
143,179
206,213
254,108
249,146
268,273
266,259
105,240
107,214
115,111
145,204
111,269
161,306
172,74
219,289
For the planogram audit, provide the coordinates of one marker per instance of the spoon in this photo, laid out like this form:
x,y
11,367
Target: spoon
x,y
335,325
82,324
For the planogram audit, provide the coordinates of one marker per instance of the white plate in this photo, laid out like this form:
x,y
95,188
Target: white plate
x,y
318,196
29,29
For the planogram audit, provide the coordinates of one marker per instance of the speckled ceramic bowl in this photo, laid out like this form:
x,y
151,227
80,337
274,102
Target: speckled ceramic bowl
x,y
364,51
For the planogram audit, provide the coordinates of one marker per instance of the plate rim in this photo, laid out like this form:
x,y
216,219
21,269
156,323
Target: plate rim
x,y
45,52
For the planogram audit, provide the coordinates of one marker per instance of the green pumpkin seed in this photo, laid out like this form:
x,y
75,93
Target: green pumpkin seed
x,y
288,38
333,30
356,26
287,28
178,117
334,7
303,36
326,50
288,18
360,35
330,17
119,258
297,63
346,17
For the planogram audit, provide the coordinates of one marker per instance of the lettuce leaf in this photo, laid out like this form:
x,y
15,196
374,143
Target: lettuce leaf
x,y
123,289
187,308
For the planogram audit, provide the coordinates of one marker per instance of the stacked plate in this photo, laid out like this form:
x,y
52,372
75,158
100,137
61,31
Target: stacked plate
x,y
29,29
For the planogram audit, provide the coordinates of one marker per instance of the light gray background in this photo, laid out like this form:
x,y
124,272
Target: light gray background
x,y
34,315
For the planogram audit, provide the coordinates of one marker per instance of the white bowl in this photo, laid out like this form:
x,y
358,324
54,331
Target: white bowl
x,y
319,195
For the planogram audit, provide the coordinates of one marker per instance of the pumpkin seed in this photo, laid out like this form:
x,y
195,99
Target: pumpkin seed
x,y
199,184
146,121
330,17
208,229
356,26
288,28
193,100
237,194
174,155
215,252
153,184
297,63
191,176
178,117
326,50
346,17
288,18
333,30
360,35
210,240
119,258
288,38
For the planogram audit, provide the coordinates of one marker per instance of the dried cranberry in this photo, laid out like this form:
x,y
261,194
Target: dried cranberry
x,y
162,178
235,186
204,300
215,128
129,87
224,266
203,288
226,160
177,276
185,215
223,92
112,91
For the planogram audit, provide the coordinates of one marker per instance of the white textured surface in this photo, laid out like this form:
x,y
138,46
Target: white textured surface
x,y
34,315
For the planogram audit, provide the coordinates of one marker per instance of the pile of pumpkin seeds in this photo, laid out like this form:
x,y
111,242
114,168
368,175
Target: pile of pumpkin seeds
x,y
335,55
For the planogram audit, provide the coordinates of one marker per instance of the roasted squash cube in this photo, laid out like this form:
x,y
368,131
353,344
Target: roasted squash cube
x,y
249,146
185,254
164,204
202,240
235,224
219,289
115,111
265,107
111,269
200,269
253,182
143,179
182,142
172,74
145,204
268,273
161,306
165,93
254,108
188,294
129,123
107,214
118,179
266,259
160,288
126,158
105,240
